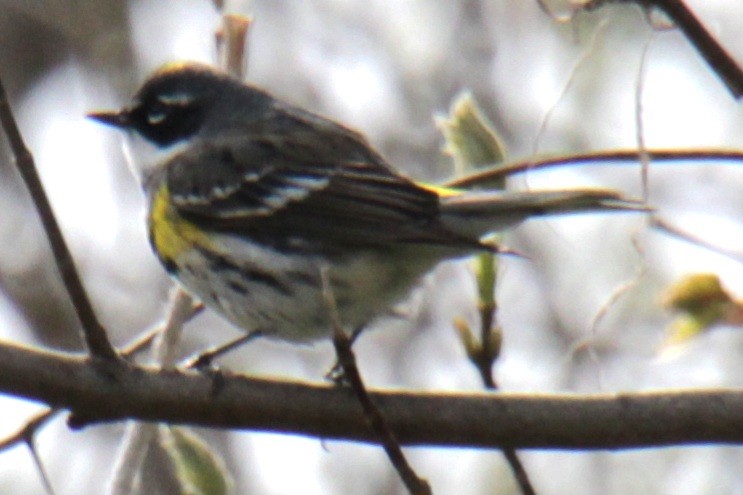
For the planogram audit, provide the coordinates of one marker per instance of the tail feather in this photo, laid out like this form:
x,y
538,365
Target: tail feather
x,y
479,212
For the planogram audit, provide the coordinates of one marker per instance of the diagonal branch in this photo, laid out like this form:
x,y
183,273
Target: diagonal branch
x,y
556,421
713,53
374,417
93,333
717,58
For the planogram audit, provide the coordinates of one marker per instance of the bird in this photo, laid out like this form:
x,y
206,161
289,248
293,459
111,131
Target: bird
x,y
250,199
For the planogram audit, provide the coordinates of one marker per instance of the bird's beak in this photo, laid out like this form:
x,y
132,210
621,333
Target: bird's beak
x,y
118,119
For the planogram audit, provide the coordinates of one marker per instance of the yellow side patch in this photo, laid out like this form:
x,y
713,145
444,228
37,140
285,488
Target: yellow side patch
x,y
441,191
170,234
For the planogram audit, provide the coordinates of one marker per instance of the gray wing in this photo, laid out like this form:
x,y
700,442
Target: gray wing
x,y
300,186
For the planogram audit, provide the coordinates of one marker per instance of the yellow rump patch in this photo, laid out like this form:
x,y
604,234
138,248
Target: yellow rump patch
x,y
441,191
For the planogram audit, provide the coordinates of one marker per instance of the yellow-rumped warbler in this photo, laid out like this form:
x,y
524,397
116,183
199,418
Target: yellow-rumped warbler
x,y
250,197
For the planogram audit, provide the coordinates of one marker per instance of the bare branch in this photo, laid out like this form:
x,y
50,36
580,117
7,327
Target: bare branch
x,y
718,59
94,334
37,421
557,421
713,53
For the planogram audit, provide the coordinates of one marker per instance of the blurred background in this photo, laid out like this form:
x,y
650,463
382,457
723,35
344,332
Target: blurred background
x,y
387,67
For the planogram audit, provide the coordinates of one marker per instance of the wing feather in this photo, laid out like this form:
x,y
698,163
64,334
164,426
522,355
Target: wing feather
x,y
280,188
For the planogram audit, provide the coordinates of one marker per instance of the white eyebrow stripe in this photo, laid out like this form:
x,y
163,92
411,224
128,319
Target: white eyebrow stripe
x,y
175,99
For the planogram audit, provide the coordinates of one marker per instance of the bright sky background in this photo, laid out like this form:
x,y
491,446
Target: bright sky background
x,y
387,67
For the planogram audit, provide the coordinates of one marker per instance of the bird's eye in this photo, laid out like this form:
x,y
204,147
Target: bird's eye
x,y
167,118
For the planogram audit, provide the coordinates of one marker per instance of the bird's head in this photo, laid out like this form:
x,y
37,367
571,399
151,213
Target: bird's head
x,y
180,103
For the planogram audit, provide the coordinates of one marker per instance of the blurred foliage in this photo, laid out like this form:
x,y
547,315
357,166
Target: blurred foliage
x,y
473,143
470,138
702,302
198,468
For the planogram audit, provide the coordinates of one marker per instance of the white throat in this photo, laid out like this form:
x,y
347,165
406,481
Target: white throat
x,y
144,156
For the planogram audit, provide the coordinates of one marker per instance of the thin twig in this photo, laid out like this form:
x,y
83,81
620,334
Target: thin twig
x,y
512,458
483,355
31,444
514,461
717,58
664,226
483,359
640,121
373,415
570,81
204,359
642,266
27,430
94,335
166,347
140,342
231,44
713,53
518,470
139,436
615,296
132,449
610,157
